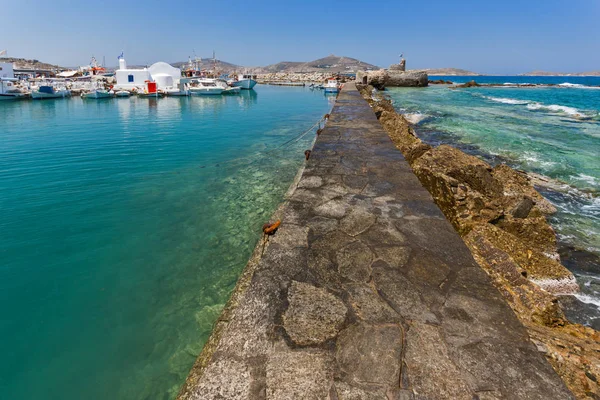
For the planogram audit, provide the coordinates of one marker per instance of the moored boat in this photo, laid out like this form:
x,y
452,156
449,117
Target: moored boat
x,y
244,81
50,92
332,86
97,94
123,93
203,87
9,91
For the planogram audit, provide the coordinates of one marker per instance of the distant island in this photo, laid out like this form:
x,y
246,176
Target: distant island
x,y
546,73
450,71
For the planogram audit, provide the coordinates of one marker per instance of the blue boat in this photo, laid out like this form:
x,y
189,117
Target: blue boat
x,y
332,86
246,82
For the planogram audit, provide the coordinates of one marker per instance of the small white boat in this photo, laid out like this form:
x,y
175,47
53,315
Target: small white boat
x,y
245,81
122,93
97,94
203,87
9,91
180,90
332,86
50,92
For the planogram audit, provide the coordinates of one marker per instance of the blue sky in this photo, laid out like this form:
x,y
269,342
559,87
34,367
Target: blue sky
x,y
499,37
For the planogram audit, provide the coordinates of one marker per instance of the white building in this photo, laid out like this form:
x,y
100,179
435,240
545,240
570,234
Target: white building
x,y
162,73
7,71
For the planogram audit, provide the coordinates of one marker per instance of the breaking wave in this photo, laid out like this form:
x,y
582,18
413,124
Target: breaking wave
x,y
508,101
552,108
415,118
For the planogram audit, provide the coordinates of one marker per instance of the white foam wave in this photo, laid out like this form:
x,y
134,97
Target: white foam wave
x,y
587,179
573,85
587,299
556,108
416,118
508,101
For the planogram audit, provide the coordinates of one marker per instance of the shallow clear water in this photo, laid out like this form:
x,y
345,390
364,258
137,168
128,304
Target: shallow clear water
x,y
124,227
553,131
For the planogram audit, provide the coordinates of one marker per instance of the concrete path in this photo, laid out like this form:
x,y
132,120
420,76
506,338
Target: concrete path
x,y
367,292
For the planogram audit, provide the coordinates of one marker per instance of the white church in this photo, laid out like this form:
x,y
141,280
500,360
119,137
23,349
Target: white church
x,y
162,73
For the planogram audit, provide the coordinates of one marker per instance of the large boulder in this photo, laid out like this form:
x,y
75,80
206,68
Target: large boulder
x,y
406,79
393,78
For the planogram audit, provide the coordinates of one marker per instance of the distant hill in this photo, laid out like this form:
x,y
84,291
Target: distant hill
x,y
207,63
450,71
331,63
22,63
546,73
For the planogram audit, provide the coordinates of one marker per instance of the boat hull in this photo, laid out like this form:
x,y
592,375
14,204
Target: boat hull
x,y
331,89
13,96
232,90
244,84
177,93
206,91
150,95
97,95
58,95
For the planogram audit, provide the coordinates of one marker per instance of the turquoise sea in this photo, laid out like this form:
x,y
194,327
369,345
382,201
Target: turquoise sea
x,y
553,131
124,225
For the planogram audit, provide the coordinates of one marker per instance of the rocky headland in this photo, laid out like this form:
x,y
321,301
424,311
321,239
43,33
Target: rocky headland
x,y
502,220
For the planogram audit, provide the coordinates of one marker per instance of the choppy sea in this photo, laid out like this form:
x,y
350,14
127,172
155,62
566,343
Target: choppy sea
x,y
124,224
553,131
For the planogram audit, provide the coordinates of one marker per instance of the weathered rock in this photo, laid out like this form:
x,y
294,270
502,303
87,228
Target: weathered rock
x,y
399,67
406,79
394,78
370,354
313,315
517,185
540,269
428,362
298,374
573,350
469,84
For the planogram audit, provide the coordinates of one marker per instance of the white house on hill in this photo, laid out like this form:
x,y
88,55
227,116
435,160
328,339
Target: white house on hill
x,y
162,73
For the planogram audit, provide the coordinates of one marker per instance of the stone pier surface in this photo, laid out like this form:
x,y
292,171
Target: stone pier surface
x,y
366,292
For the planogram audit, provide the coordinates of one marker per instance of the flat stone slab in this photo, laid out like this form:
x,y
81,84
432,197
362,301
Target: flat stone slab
x,y
366,292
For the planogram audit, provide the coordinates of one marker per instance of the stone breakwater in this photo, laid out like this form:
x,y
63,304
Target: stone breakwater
x,y
502,220
300,77
366,291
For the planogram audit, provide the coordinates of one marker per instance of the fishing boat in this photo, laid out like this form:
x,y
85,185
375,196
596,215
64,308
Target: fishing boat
x,y
123,93
332,86
226,88
205,86
244,81
9,91
180,90
97,94
50,92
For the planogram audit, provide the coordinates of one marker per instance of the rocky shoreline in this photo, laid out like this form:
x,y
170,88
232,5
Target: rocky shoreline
x,y
502,219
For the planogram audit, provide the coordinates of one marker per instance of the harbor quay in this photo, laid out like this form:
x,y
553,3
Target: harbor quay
x,y
366,291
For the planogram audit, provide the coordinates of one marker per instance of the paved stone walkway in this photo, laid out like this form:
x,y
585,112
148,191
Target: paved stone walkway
x,y
367,292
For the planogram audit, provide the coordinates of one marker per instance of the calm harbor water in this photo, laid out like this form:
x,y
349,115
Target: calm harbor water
x,y
124,226
553,131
